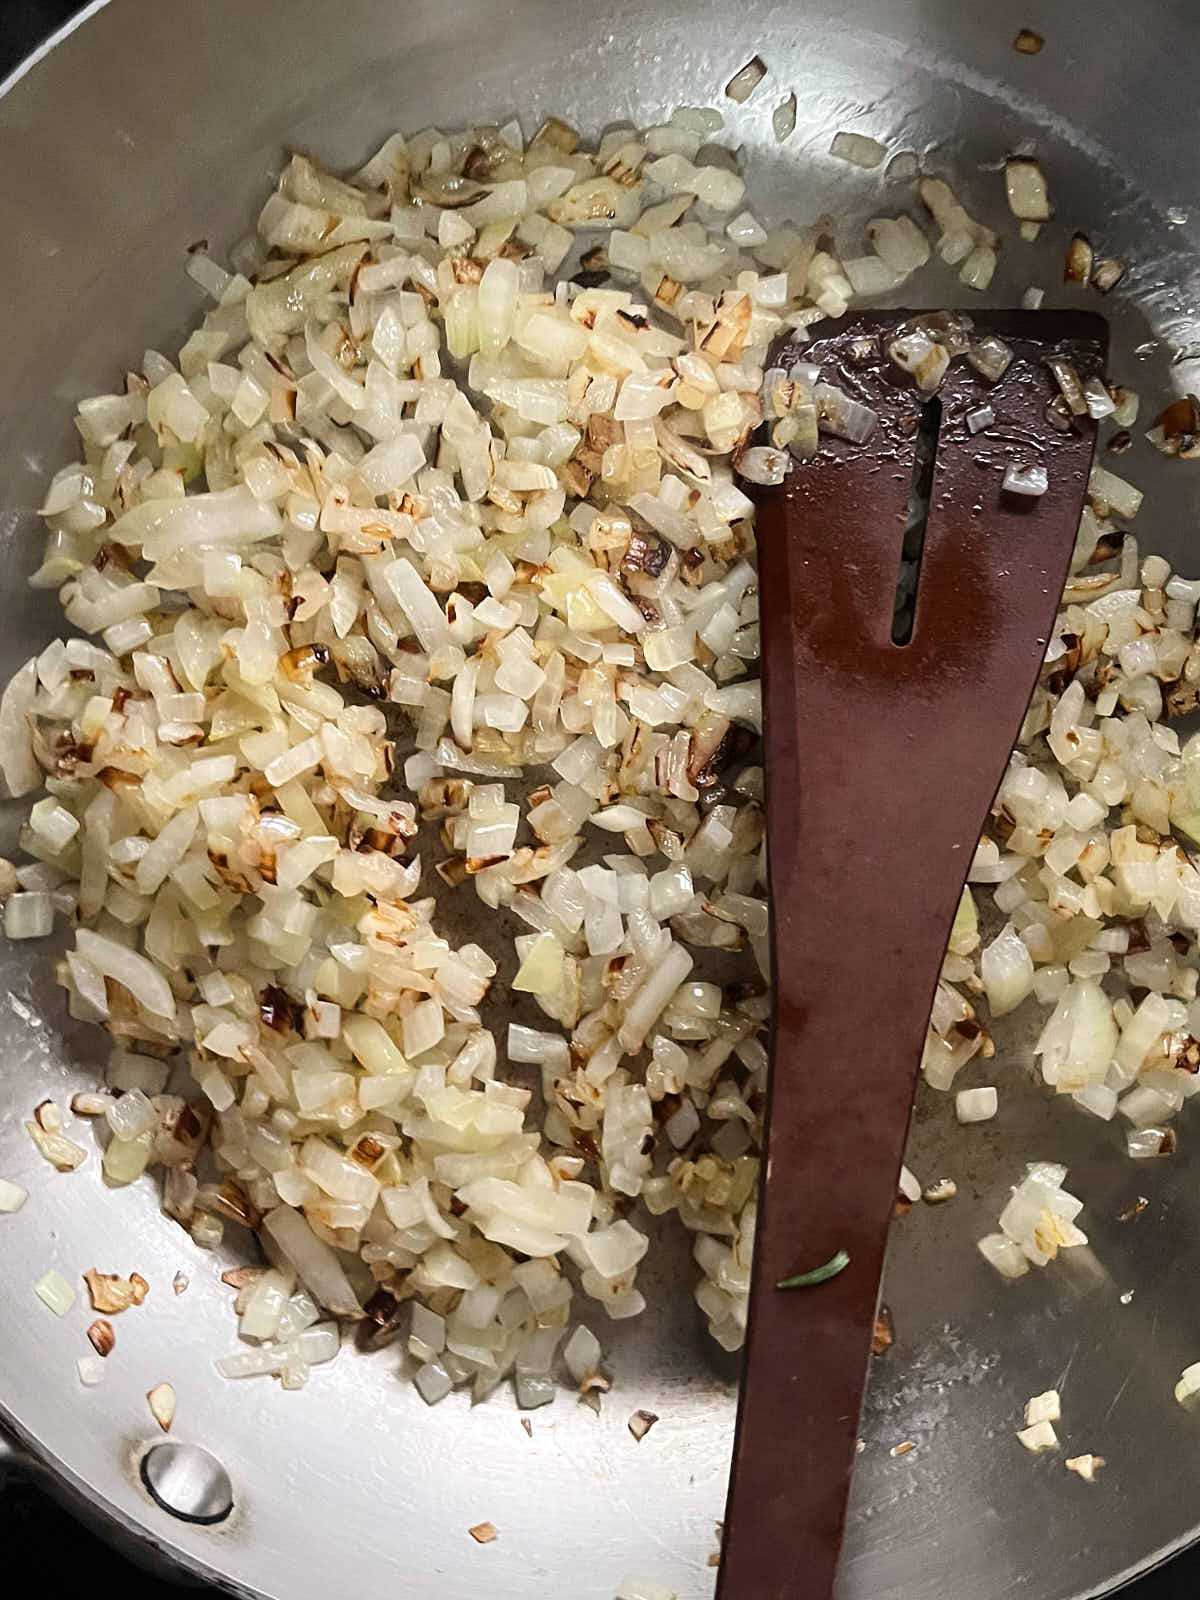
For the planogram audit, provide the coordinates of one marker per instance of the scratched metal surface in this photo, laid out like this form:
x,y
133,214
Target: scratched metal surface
x,y
156,124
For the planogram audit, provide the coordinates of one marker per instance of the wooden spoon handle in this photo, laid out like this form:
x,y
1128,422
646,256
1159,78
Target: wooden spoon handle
x,y
853,991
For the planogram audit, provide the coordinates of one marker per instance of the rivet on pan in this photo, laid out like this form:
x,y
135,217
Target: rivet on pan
x,y
188,1482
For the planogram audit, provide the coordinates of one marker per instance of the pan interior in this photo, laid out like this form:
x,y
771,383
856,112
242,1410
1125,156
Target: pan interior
x,y
123,146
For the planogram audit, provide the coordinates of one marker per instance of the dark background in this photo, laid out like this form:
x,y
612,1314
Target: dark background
x,y
31,1526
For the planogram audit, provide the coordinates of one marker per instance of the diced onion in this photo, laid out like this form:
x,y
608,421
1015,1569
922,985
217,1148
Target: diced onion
x,y
858,149
1029,481
744,82
402,483
975,1105
53,1290
1041,1436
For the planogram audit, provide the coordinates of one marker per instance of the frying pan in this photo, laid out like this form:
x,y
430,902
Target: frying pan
x,y
152,123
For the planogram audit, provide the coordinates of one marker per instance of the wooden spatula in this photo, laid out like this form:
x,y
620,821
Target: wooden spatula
x,y
881,761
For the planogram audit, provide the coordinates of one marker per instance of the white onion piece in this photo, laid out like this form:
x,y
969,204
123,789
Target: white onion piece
x,y
744,82
1079,1039
497,305
1004,1254
763,465
982,417
858,149
1028,481
432,1382
909,1185
1041,1436
582,1354
843,416
1121,497
637,1588
91,1371
419,604
28,916
328,367
127,967
1045,1407
392,463
651,999
870,275
1025,184
53,1290
1007,971
899,243
227,517
167,850
314,1263
21,772
1189,1384
265,1304
783,119
976,1105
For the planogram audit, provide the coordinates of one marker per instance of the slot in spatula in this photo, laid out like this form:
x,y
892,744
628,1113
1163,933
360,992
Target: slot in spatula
x,y
906,602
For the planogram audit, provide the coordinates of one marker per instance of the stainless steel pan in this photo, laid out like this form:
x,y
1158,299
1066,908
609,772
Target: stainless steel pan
x,y
154,123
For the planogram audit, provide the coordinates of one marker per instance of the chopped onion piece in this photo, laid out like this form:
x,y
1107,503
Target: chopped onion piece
x,y
1041,1436
990,357
909,1185
643,1589
783,119
744,82
1045,1407
1188,1386
1100,403
315,1264
1029,481
28,916
53,1290
91,1371
979,268
764,466
976,1105
1114,492
1004,1254
433,1382
541,970
858,149
843,416
125,966
1025,184
161,1400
